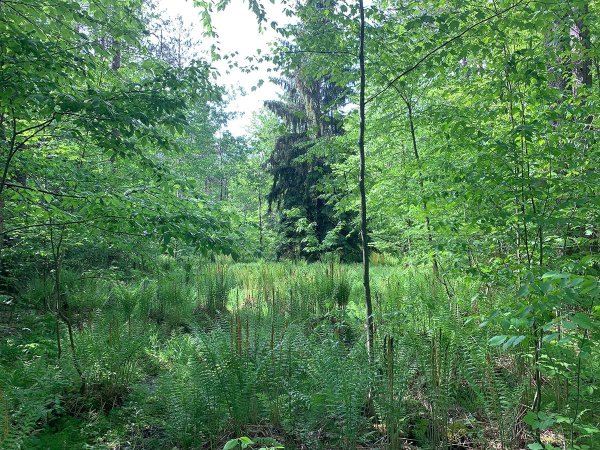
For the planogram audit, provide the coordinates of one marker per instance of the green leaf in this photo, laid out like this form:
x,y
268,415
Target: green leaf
x,y
530,418
509,342
550,337
556,276
523,290
497,340
245,441
583,321
535,446
518,340
232,444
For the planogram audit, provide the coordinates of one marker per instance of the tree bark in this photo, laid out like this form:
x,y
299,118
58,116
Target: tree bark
x,y
361,185
581,35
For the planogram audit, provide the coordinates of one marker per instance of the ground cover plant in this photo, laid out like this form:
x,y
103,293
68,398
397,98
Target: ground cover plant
x,y
283,358
399,249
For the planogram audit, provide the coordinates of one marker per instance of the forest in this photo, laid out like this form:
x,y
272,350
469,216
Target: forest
x,y
402,251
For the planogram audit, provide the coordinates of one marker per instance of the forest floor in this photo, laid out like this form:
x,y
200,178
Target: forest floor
x,y
191,355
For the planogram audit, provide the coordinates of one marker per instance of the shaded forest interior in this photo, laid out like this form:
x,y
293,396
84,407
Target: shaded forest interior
x,y
400,252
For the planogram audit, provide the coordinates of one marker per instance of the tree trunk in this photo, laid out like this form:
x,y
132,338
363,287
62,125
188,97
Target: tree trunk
x,y
361,185
581,35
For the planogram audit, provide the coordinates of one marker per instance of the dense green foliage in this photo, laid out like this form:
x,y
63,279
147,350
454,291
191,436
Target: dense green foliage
x,y
197,352
484,153
166,284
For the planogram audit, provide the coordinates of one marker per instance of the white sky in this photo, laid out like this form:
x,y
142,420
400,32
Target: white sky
x,y
237,28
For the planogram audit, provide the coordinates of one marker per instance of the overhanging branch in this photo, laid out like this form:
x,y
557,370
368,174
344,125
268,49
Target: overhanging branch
x,y
441,46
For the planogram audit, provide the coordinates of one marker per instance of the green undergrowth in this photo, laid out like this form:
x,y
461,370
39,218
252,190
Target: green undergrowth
x,y
194,354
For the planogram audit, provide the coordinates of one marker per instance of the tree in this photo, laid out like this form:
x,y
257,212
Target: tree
x,y
90,149
361,184
296,165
